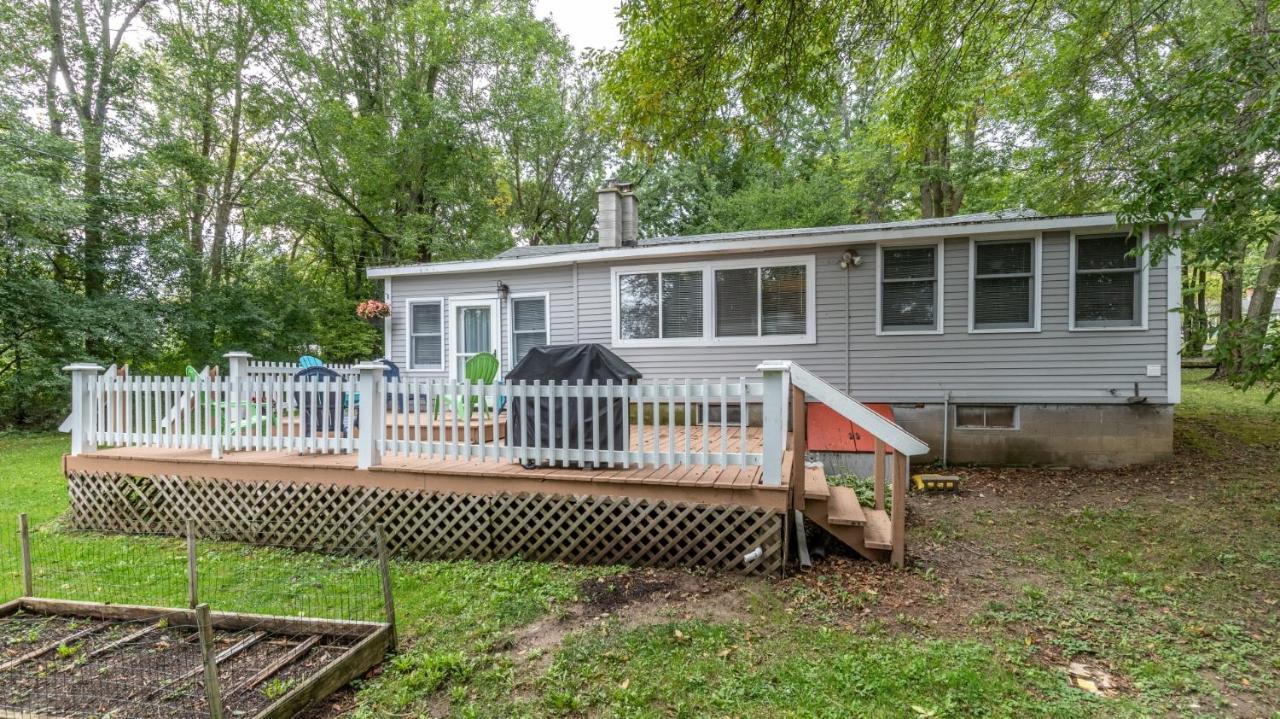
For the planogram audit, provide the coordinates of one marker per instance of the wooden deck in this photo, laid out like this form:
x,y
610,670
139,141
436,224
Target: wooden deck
x,y
678,482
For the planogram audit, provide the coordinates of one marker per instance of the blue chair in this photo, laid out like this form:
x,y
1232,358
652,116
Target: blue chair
x,y
307,362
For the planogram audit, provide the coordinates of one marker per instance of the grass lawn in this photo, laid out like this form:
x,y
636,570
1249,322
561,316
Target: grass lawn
x,y
1163,581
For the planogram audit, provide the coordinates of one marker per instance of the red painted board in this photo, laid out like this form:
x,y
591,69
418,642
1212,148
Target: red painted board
x,y
831,432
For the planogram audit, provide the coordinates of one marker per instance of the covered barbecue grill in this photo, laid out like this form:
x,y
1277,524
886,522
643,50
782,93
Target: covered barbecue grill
x,y
586,362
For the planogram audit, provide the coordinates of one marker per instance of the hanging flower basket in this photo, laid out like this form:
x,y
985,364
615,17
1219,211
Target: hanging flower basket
x,y
373,310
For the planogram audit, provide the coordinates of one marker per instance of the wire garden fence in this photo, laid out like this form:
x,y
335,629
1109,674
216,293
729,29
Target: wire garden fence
x,y
160,627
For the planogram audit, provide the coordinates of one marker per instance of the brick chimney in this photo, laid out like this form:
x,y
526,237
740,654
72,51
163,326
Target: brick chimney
x,y
616,219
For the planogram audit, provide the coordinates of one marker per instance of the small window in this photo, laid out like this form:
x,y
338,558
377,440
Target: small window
x,y
654,305
529,325
909,289
426,338
761,301
980,416
1004,285
1108,281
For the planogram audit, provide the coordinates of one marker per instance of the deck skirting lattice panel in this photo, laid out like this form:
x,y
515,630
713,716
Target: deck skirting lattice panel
x,y
580,529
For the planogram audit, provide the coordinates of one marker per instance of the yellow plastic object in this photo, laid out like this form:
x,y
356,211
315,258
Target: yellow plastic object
x,y
936,482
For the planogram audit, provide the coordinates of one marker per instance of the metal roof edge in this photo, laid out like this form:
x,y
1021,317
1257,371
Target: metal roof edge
x,y
793,239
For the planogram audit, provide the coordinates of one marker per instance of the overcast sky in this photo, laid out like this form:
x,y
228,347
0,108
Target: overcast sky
x,y
588,23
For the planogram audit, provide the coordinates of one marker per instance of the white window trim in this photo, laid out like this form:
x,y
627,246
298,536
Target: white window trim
x,y
495,328
408,332
1144,310
939,297
511,321
1037,280
708,338
387,324
955,419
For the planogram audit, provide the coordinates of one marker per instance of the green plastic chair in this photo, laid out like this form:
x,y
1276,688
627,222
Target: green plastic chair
x,y
257,414
480,369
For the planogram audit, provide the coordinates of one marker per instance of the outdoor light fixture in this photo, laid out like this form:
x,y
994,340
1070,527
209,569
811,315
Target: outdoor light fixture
x,y
850,258
503,290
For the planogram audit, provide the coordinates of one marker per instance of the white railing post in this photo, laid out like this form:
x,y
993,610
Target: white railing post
x,y
776,375
237,400
371,406
238,364
80,404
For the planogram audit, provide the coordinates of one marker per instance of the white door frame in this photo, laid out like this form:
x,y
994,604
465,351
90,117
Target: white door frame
x,y
455,335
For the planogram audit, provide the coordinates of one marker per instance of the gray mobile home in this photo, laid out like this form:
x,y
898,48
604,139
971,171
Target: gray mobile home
x,y
997,338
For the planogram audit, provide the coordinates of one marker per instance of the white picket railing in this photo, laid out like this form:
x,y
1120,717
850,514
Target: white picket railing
x,y
653,423
264,370
623,425
647,424
312,415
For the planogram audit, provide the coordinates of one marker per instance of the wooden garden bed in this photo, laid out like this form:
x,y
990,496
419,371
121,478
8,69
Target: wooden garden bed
x,y
71,659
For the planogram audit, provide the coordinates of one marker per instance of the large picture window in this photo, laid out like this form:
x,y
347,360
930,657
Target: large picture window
x,y
1004,285
1108,282
731,302
426,334
530,326
909,288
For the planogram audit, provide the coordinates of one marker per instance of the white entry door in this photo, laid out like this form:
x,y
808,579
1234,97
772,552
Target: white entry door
x,y
475,330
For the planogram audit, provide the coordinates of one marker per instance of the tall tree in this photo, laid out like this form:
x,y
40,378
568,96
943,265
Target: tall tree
x,y
86,62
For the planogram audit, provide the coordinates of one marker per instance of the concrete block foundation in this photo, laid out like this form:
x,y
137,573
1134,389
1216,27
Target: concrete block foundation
x,y
1056,435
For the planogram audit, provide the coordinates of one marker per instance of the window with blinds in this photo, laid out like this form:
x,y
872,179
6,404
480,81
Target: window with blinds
x,y
729,301
909,289
769,301
1004,285
426,335
660,305
1108,281
529,326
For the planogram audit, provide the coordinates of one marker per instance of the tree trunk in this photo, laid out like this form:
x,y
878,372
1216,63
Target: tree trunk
x,y
226,197
93,252
1230,358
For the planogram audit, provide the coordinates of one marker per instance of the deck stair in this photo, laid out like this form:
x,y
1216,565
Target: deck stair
x,y
837,510
877,532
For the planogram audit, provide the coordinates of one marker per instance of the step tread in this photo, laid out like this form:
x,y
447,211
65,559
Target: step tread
x,y
878,533
815,484
843,507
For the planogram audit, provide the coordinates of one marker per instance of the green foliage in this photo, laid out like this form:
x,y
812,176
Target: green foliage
x,y
251,159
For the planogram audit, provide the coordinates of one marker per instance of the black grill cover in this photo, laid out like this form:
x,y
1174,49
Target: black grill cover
x,y
558,363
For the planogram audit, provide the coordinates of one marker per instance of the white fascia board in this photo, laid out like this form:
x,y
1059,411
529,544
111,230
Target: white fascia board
x,y
793,241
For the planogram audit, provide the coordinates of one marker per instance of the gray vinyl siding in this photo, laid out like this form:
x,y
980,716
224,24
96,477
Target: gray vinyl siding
x,y
556,281
1049,366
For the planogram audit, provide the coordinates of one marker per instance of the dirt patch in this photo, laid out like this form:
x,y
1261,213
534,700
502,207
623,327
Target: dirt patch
x,y
637,598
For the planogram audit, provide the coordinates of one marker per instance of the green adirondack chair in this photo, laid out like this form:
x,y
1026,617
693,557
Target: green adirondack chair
x,y
257,414
480,369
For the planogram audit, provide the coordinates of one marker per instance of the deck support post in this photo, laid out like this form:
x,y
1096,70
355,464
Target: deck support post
x,y
370,411
80,404
776,375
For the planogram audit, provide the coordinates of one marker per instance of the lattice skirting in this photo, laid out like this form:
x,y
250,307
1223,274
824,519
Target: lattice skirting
x,y
434,525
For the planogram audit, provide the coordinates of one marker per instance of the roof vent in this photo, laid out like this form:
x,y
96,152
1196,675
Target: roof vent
x,y
616,220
